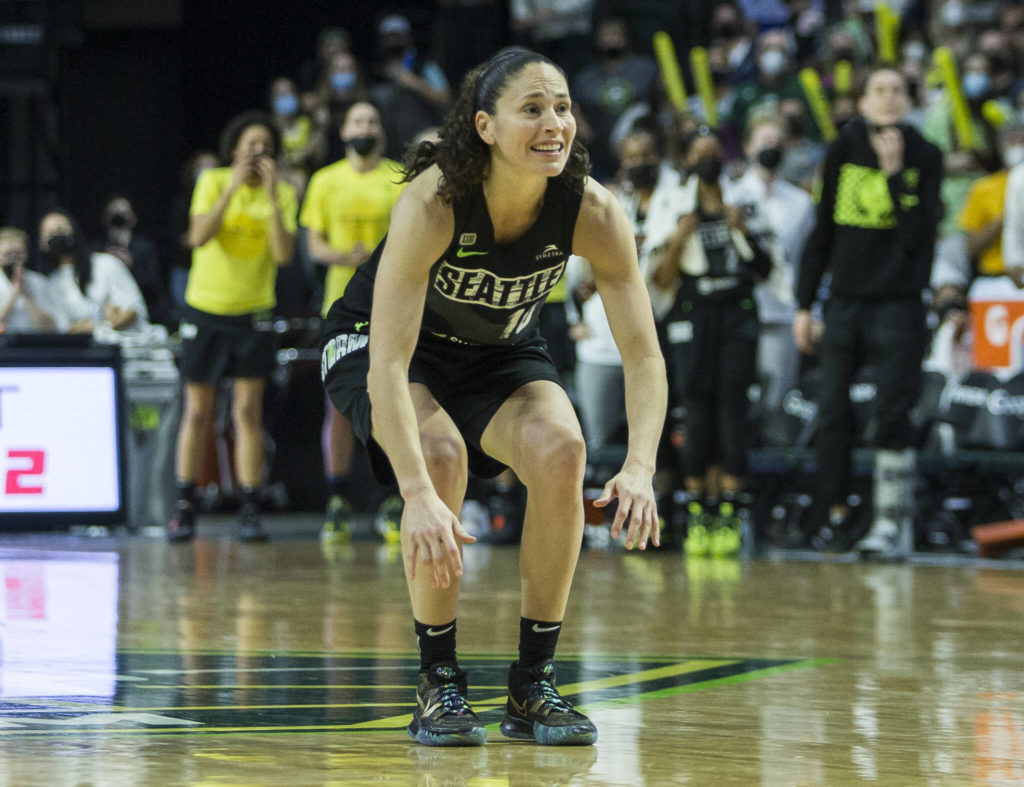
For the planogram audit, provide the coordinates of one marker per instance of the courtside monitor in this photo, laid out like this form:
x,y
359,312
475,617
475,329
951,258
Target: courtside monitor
x,y
61,452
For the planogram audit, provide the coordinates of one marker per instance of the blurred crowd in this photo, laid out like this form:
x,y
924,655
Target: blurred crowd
x,y
763,87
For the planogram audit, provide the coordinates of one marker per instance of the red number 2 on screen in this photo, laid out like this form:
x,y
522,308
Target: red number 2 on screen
x,y
16,477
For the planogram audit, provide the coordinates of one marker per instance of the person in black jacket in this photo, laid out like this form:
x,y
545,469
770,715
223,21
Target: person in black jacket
x,y
876,227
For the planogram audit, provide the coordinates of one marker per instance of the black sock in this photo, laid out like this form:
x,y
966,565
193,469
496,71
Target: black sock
x,y
250,496
187,492
537,640
337,485
436,643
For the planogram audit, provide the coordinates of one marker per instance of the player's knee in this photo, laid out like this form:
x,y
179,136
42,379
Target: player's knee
x,y
445,457
247,414
555,452
197,417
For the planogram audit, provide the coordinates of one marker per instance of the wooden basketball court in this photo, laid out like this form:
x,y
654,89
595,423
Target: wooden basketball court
x,y
127,661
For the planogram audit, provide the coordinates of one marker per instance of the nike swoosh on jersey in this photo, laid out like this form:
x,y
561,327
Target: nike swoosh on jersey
x,y
463,253
361,325
432,633
545,629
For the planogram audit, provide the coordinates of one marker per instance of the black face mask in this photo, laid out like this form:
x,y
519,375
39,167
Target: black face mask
x,y
362,145
770,158
728,31
118,221
613,52
794,126
709,169
643,176
59,245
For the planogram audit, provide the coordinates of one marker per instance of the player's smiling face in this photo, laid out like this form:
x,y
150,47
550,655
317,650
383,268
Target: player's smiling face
x,y
532,127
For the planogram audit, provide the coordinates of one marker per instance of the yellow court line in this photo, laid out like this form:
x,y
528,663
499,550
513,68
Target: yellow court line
x,y
241,686
657,673
410,705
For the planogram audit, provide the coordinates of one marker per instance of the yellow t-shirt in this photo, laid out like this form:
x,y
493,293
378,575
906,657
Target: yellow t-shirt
x,y
984,204
234,271
349,207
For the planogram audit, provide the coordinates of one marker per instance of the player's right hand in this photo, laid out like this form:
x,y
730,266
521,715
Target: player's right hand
x,y
432,538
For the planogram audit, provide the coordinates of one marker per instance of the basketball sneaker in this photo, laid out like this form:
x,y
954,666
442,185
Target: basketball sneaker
x,y
443,716
388,519
336,521
725,536
182,526
536,711
698,531
250,526
887,540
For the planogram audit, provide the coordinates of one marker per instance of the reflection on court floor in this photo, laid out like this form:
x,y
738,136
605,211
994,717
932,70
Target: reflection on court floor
x,y
209,693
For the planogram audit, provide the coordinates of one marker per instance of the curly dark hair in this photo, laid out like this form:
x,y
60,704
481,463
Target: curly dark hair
x,y
462,156
237,126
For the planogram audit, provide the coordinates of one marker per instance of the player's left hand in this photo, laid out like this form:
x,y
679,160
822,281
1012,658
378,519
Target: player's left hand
x,y
635,492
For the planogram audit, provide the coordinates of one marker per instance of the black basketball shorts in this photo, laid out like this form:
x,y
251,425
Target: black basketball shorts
x,y
216,346
470,382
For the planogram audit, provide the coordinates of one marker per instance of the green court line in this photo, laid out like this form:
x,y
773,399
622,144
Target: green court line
x,y
399,722
743,677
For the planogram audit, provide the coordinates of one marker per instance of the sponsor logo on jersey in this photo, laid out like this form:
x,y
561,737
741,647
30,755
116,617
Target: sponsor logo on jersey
x,y
464,253
338,347
467,239
476,285
549,251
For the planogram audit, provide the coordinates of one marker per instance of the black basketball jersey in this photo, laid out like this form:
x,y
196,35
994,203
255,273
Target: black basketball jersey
x,y
480,292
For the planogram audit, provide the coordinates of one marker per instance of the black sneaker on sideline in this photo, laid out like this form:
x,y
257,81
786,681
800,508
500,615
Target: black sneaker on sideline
x,y
182,525
443,716
250,526
536,711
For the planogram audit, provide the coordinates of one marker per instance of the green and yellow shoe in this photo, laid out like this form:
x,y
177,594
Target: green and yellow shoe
x,y
336,521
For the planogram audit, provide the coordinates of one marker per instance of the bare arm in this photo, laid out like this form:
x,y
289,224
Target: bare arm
x,y
324,253
203,226
421,227
282,242
604,236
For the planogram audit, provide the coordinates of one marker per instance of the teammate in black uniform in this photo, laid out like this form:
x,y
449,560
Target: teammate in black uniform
x,y
434,355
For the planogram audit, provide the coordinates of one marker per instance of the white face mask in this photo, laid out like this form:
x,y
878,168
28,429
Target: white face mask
x,y
914,50
1013,156
772,62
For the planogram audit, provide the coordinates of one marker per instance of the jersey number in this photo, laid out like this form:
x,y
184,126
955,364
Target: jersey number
x,y
519,320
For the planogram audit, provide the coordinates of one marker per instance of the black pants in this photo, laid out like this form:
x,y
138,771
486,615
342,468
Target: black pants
x,y
890,335
713,356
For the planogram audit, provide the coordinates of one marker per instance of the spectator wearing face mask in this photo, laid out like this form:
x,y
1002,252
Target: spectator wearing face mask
x,y
780,216
301,140
341,86
346,212
965,164
776,81
982,215
330,41
729,26
803,154
87,289
138,253
614,81
24,296
709,262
